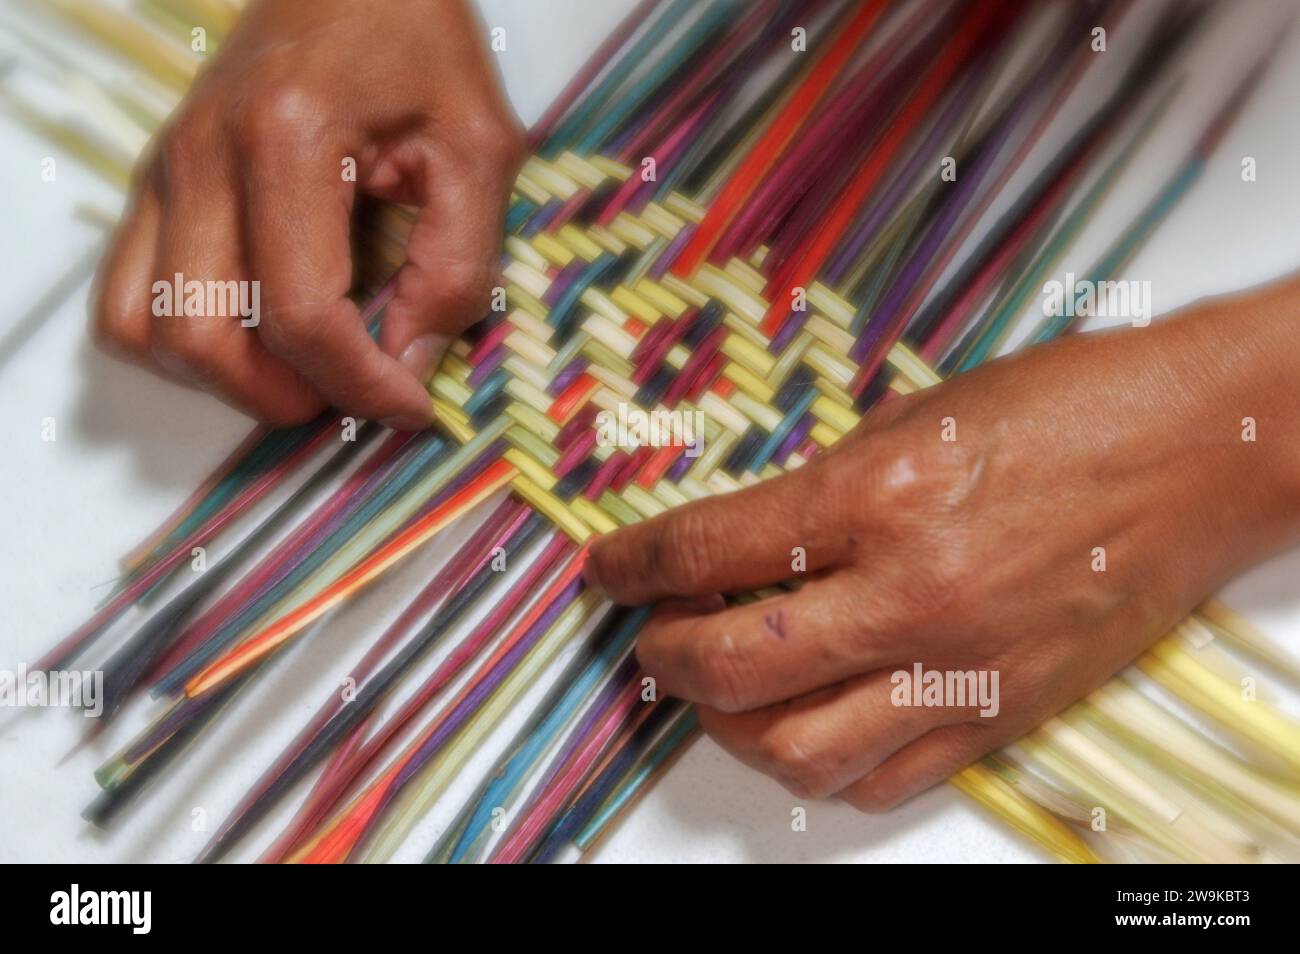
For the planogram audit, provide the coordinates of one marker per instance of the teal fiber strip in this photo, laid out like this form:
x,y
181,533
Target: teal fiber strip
x,y
564,135
419,463
504,786
711,20
1130,240
679,733
1012,303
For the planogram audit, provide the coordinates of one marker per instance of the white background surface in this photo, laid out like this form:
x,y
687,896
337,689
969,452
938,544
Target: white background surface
x,y
130,448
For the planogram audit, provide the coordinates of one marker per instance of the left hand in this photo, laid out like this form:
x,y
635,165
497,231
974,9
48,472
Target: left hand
x,y
976,553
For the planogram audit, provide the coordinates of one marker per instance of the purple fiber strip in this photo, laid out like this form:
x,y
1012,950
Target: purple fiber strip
x,y
935,236
789,328
795,437
679,467
491,361
594,715
542,217
899,185
485,687
566,375
669,255
568,275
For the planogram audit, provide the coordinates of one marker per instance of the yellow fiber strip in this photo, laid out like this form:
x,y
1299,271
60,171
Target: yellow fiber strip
x,y
660,297
576,239
750,355
634,304
983,785
553,250
837,416
553,507
530,468
749,383
1256,721
592,515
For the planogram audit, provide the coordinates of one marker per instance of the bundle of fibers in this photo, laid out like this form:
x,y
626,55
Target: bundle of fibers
x,y
733,209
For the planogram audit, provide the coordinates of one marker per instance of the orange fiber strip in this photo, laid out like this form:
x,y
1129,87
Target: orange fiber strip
x,y
241,657
800,272
571,400
335,842
658,465
768,148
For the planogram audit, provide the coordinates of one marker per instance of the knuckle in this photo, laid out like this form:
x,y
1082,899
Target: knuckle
x,y
857,625
185,144
115,339
273,119
183,355
189,348
464,288
915,476
498,141
726,677
922,497
512,147
798,762
290,332
948,589
899,476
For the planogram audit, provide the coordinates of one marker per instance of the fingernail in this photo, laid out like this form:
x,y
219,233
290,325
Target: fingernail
x,y
405,422
422,355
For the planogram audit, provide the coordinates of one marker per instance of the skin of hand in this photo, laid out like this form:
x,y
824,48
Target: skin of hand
x,y
247,182
978,553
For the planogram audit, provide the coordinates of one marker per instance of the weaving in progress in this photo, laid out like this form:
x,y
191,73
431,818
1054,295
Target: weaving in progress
x,y
734,227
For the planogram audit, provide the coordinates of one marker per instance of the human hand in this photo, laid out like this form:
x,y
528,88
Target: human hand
x,y
247,183
977,553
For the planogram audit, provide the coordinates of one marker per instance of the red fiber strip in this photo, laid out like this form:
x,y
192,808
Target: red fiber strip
x,y
769,147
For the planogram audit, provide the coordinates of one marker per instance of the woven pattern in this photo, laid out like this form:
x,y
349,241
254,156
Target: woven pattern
x,y
597,322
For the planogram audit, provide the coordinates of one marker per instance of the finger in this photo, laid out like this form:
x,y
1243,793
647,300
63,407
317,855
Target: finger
x,y
199,241
120,316
754,537
926,762
818,744
296,231
452,259
773,649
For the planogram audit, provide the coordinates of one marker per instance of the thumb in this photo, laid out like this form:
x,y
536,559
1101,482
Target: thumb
x,y
452,263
